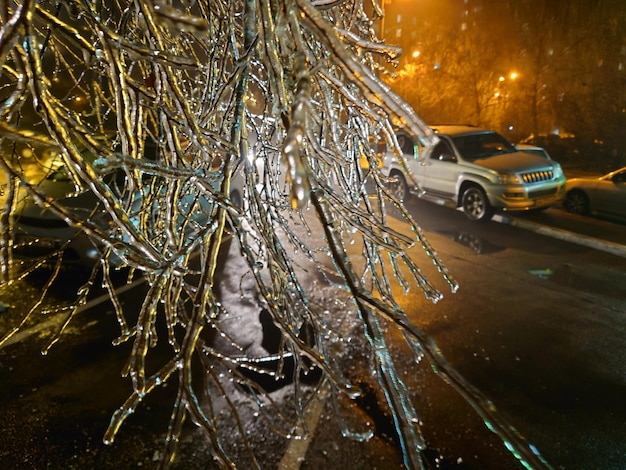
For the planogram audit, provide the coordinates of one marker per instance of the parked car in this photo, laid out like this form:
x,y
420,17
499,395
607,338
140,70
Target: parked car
x,y
604,195
563,147
478,170
535,150
41,234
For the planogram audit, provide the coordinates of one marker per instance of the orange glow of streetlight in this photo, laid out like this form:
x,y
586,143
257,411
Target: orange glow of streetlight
x,y
512,76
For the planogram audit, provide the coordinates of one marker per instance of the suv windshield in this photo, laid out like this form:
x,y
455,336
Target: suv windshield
x,y
476,146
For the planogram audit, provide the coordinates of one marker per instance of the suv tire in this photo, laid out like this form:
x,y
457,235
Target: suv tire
x,y
398,186
475,204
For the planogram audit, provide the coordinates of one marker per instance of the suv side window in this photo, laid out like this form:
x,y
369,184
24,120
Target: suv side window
x,y
443,152
407,145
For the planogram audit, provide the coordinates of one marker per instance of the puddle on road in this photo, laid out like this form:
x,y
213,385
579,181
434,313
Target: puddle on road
x,y
596,281
475,243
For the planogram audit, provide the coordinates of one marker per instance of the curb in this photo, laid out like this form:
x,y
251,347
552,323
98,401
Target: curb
x,y
565,235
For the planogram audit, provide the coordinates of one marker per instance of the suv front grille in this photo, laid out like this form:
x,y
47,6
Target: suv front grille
x,y
537,176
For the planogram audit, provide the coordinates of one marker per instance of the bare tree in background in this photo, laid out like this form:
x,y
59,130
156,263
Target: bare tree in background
x,y
178,100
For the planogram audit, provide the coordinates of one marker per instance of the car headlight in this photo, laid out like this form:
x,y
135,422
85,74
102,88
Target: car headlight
x,y
558,171
509,178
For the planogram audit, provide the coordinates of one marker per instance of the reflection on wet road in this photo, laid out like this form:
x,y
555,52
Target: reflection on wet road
x,y
474,242
504,230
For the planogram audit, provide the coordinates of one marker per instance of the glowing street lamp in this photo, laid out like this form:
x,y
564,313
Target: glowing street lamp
x,y
512,76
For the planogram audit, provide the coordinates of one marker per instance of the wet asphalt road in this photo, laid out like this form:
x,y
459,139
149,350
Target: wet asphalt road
x,y
537,326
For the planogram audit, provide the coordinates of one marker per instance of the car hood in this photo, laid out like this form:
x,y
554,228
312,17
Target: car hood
x,y
586,179
515,162
583,182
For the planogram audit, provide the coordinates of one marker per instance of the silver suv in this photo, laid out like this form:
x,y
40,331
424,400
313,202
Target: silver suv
x,y
478,170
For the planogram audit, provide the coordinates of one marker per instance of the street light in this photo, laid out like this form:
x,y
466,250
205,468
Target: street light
x,y
512,76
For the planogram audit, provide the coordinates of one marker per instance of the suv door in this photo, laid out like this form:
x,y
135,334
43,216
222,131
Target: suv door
x,y
438,174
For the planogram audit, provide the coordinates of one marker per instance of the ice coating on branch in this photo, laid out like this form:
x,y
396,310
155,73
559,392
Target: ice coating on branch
x,y
196,126
292,151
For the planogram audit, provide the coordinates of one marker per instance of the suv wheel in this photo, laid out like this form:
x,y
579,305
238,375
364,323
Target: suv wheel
x,y
398,186
475,204
577,202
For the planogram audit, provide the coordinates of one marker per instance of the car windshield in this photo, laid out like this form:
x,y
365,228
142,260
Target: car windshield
x,y
476,146
618,176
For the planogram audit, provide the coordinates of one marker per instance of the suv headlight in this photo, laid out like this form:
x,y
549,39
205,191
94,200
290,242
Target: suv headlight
x,y
558,171
509,178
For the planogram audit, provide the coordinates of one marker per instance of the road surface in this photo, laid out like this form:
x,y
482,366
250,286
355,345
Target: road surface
x,y
537,326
